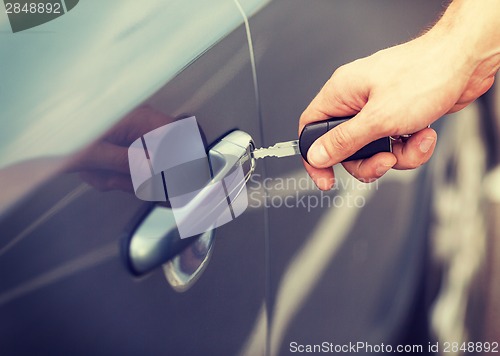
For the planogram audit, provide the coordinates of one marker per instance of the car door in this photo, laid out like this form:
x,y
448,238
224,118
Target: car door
x,y
345,266
77,91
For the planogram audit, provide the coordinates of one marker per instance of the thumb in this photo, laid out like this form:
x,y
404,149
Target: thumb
x,y
343,141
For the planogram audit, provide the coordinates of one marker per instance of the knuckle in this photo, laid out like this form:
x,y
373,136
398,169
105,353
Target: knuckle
x,y
338,73
341,74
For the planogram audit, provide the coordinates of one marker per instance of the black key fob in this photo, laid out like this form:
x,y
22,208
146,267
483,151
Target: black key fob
x,y
313,131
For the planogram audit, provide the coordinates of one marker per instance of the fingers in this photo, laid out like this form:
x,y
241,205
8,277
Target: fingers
x,y
370,169
344,94
324,107
416,151
346,139
340,143
332,100
409,155
330,103
324,178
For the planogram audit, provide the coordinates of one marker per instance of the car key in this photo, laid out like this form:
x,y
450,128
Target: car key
x,y
311,133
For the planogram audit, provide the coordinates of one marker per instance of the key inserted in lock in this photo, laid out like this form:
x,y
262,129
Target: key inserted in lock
x,y
311,133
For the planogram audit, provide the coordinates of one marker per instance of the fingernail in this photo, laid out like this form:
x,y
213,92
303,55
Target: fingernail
x,y
426,144
382,169
317,155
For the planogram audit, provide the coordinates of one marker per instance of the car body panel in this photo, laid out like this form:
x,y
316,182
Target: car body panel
x,y
65,284
337,274
277,274
75,83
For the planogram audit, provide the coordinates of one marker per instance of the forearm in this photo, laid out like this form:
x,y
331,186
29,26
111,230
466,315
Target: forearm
x,y
473,28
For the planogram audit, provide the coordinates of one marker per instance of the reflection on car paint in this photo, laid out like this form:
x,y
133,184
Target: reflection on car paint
x,y
184,269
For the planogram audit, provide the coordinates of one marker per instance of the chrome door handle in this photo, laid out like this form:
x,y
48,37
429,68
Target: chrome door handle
x,y
157,238
221,199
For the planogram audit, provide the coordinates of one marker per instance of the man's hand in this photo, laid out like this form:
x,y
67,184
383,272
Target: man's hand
x,y
396,91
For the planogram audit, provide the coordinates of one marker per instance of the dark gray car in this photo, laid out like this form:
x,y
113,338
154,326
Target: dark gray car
x,y
86,267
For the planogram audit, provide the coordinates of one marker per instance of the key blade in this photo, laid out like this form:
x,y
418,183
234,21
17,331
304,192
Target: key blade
x,y
281,149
